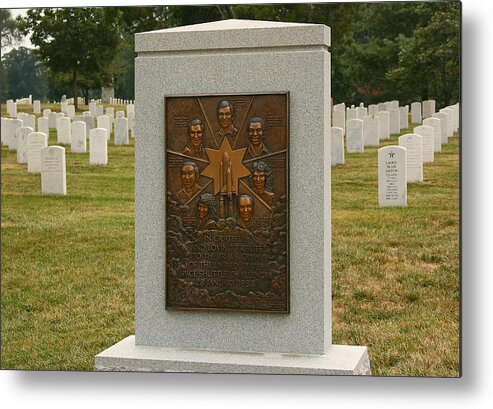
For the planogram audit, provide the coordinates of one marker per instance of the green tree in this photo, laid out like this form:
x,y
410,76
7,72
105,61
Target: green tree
x,y
429,60
390,40
24,75
9,31
78,41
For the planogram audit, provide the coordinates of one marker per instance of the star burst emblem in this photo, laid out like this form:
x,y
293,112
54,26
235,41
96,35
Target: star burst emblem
x,y
225,168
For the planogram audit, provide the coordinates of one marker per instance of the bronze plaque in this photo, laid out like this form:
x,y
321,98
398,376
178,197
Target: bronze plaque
x,y
226,175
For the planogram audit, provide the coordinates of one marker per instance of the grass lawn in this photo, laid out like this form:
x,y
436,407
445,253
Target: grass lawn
x,y
68,264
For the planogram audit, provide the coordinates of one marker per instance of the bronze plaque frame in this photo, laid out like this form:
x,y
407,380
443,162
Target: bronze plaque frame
x,y
227,240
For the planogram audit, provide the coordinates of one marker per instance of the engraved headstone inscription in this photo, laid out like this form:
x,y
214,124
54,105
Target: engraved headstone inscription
x,y
227,197
392,179
414,156
53,172
35,142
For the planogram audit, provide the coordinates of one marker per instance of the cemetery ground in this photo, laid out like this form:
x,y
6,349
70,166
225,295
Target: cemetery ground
x,y
68,263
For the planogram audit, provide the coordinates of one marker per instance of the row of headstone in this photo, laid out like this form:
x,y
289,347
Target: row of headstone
x,y
399,165
52,163
80,101
11,109
419,110
33,149
120,101
392,119
17,136
25,101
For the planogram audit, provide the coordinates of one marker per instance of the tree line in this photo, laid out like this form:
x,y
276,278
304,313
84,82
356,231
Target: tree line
x,y
407,51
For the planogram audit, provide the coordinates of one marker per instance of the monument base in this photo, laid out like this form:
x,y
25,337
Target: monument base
x,y
126,356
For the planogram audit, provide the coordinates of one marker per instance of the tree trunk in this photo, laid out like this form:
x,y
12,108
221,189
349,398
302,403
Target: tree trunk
x,y
74,88
85,91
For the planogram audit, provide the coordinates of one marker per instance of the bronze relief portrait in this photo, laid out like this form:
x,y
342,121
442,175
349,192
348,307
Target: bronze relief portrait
x,y
226,176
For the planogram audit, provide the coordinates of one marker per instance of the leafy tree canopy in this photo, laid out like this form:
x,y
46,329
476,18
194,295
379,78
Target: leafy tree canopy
x,y
9,32
79,41
24,75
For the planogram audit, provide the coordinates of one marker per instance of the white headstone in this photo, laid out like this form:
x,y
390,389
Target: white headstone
x,y
457,116
21,136
371,130
64,135
437,133
4,132
354,136
427,134
12,141
416,113
120,114
130,108
442,116
121,131
395,123
22,116
382,106
337,146
92,108
35,142
13,110
450,121
43,125
339,119
131,124
362,112
99,110
414,156
46,112
404,117
103,121
30,120
78,142
52,116
372,110
340,107
383,124
428,108
63,106
71,111
98,146
53,172
110,111
90,122
37,106
392,176
394,104
351,113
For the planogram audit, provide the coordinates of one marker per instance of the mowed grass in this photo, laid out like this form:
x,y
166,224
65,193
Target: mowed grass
x,y
68,264
395,271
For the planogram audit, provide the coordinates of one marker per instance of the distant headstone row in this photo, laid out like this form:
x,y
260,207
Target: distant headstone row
x,y
120,101
397,165
32,148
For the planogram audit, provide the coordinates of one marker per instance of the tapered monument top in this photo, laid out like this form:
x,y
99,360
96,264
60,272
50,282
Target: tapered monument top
x,y
233,34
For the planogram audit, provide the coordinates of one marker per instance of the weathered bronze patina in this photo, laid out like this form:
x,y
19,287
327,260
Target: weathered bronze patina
x,y
226,175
